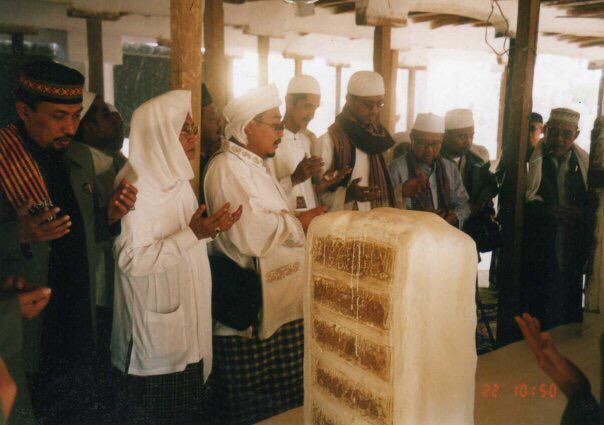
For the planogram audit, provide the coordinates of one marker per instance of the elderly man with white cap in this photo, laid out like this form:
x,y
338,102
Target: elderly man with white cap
x,y
472,161
425,181
556,223
258,358
357,141
292,165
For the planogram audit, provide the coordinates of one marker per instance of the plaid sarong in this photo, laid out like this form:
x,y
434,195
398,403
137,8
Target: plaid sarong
x,y
173,398
255,379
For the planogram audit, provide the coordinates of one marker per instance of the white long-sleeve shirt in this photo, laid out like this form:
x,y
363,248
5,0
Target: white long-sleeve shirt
x,y
293,149
267,230
336,200
162,308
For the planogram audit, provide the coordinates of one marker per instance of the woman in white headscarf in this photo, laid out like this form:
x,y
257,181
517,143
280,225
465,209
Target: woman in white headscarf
x,y
162,326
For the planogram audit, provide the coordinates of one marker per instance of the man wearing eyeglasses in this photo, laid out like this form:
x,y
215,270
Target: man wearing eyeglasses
x,y
357,141
556,223
424,181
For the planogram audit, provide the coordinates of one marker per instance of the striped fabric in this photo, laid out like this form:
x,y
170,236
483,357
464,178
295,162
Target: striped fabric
x,y
20,177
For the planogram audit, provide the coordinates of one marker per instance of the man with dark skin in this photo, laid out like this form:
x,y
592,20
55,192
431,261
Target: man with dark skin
x,y
58,221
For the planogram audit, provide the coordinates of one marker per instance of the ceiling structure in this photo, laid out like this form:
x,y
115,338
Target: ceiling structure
x,y
328,29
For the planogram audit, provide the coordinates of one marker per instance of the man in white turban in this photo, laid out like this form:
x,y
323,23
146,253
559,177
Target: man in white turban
x,y
556,223
354,146
258,356
423,180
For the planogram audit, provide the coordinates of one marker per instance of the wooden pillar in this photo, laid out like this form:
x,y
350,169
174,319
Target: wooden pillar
x,y
215,61
94,38
229,78
502,98
263,49
411,98
519,106
601,95
298,66
338,89
18,45
185,59
383,63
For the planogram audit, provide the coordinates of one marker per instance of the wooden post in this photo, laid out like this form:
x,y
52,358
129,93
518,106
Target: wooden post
x,y
263,49
17,44
94,38
185,59
502,98
229,78
298,66
338,89
601,95
383,63
215,62
411,99
513,188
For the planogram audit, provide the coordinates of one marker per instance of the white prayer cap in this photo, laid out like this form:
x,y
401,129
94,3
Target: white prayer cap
x,y
303,84
564,115
239,112
366,84
458,118
87,99
429,123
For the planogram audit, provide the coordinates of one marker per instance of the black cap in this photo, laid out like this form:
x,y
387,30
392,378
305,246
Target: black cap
x,y
51,82
206,97
535,117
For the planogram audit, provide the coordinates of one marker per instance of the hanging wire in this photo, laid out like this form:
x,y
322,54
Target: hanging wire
x,y
506,49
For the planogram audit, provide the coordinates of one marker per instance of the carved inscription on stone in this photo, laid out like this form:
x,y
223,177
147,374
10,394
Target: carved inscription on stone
x,y
374,358
353,302
357,257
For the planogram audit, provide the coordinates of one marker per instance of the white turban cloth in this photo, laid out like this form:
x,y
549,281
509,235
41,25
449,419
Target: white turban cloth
x,y
429,123
87,99
366,84
157,160
459,118
303,84
239,112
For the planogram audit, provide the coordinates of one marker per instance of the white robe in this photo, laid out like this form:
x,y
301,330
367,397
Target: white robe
x,y
162,306
267,230
336,200
293,149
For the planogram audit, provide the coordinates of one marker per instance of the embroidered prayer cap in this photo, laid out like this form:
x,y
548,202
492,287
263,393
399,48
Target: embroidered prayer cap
x,y
239,112
429,123
206,97
366,84
51,82
303,84
564,115
87,99
458,118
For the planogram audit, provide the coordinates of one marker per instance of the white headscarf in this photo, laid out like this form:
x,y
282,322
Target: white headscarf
x,y
239,112
157,160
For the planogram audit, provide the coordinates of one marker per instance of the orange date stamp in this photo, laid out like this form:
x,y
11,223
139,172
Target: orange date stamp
x,y
522,390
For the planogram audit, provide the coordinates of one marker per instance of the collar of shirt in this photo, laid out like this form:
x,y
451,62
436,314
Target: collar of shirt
x,y
244,154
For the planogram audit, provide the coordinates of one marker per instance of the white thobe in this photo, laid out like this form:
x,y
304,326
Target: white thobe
x,y
293,149
336,200
267,230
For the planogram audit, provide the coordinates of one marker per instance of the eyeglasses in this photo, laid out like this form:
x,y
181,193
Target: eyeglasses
x,y
379,104
276,127
190,130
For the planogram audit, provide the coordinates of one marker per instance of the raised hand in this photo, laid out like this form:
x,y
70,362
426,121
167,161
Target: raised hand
x,y
356,192
307,216
307,168
32,299
412,187
43,227
221,220
122,201
331,178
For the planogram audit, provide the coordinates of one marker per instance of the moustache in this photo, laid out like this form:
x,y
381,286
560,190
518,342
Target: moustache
x,y
64,139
